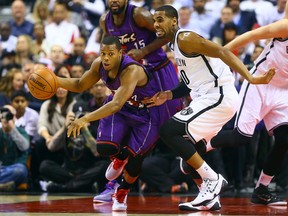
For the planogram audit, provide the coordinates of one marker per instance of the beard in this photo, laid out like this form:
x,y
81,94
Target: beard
x,y
119,11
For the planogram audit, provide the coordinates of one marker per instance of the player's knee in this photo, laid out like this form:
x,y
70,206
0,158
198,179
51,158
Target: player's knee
x,y
170,128
133,167
240,139
107,149
281,135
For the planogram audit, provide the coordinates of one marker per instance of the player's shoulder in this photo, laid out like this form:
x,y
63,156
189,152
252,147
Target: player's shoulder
x,y
140,12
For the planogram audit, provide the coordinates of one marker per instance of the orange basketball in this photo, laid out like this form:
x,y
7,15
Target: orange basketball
x,y
42,83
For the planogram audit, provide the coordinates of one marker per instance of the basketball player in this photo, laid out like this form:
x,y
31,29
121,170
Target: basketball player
x,y
269,103
205,73
123,118
134,28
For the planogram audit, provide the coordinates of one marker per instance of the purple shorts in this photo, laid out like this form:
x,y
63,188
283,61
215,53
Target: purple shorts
x,y
135,129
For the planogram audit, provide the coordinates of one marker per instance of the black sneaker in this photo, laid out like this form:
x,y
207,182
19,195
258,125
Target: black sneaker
x,y
263,196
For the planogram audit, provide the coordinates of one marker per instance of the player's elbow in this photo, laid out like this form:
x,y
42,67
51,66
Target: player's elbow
x,y
116,106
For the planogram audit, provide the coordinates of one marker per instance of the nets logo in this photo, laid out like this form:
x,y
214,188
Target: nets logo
x,y
186,111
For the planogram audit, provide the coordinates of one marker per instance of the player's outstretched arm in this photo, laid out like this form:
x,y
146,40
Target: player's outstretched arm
x,y
131,76
88,79
191,43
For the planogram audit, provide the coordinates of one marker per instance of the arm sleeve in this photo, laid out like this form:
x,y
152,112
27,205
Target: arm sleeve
x,y
21,139
180,90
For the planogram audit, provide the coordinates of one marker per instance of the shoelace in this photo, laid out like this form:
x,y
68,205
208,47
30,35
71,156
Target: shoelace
x,y
205,187
109,186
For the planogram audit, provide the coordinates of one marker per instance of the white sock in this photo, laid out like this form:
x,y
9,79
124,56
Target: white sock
x,y
209,147
206,172
264,179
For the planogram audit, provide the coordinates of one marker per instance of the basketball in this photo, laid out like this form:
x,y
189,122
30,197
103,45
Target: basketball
x,y
42,83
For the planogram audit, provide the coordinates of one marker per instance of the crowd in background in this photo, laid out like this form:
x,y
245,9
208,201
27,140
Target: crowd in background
x,y
64,35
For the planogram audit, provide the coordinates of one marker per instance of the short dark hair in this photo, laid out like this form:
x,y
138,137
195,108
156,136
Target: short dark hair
x,y
110,40
169,10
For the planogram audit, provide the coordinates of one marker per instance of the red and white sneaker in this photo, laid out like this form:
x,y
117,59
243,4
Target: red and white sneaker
x,y
120,200
115,168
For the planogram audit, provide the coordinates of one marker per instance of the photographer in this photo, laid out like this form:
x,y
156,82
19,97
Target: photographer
x,y
14,145
82,166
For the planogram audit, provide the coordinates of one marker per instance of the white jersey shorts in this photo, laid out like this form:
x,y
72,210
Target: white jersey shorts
x,y
261,102
207,114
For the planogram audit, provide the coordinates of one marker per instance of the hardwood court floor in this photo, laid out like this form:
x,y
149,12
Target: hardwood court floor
x,y
81,204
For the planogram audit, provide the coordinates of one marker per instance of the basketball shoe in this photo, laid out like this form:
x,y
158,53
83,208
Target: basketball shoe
x,y
120,200
263,196
209,189
106,195
213,205
115,168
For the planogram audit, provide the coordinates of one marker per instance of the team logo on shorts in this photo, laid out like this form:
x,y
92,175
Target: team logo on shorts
x,y
186,111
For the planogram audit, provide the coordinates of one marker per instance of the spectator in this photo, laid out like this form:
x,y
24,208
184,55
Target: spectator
x,y
29,67
14,147
90,10
184,17
217,29
245,20
24,49
201,20
19,25
77,56
7,41
51,119
82,166
77,70
40,13
7,62
40,43
12,81
25,117
93,44
61,32
56,58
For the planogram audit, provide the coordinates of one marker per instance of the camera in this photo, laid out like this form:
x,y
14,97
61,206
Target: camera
x,y
79,114
6,114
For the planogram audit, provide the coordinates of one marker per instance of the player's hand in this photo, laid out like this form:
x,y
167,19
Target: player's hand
x,y
264,78
136,54
75,127
157,99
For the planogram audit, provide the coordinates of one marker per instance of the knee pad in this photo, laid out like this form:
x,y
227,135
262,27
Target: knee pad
x,y
133,167
107,149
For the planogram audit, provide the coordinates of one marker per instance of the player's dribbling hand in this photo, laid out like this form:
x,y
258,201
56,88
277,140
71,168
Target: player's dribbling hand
x,y
264,78
75,127
158,99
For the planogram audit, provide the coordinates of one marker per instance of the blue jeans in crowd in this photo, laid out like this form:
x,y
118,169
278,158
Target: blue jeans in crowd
x,y
16,172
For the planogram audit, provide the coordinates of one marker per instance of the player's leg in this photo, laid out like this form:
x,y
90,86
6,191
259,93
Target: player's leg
x,y
261,194
130,175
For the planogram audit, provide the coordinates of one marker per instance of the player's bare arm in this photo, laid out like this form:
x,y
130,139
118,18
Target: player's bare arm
x,y
278,29
102,24
144,19
131,77
88,79
191,43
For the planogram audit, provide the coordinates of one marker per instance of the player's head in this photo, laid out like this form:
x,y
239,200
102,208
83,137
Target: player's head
x,y
117,6
110,52
165,21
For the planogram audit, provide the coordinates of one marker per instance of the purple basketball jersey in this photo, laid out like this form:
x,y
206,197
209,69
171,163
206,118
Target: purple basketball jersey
x,y
134,37
134,125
